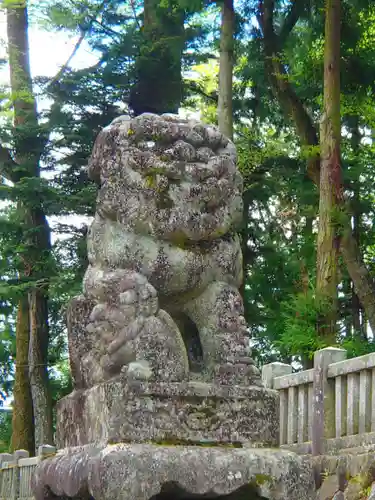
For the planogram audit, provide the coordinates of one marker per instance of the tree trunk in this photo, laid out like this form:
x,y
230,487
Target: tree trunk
x,y
330,200
28,146
294,110
38,350
22,417
225,104
356,316
306,359
245,250
357,215
158,86
363,284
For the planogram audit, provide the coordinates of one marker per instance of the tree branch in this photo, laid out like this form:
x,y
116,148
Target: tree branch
x,y
107,30
62,70
284,92
290,20
65,66
7,165
84,30
266,19
135,14
195,87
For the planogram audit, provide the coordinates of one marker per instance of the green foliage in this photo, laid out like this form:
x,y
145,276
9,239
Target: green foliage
x,y
299,316
143,67
7,354
5,430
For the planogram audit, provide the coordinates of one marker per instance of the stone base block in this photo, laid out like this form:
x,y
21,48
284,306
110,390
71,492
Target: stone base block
x,y
142,472
169,413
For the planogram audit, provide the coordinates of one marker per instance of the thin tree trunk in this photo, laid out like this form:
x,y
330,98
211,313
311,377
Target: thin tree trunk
x,y
346,307
328,244
356,315
38,350
306,359
355,302
363,284
225,103
22,417
245,250
305,254
28,145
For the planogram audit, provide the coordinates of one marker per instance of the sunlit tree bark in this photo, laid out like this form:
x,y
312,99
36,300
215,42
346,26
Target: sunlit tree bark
x,y
331,191
28,145
225,105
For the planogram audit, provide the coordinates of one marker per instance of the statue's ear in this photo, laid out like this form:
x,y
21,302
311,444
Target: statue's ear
x,y
100,152
105,146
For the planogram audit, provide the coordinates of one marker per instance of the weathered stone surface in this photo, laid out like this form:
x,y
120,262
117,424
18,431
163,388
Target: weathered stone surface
x,y
348,475
120,332
339,495
162,251
194,412
328,489
68,470
354,491
334,487
139,472
81,345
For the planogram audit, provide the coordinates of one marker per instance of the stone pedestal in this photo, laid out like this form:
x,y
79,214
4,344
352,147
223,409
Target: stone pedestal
x,y
141,472
172,413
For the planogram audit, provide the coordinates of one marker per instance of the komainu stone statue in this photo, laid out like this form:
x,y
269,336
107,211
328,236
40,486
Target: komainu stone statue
x,y
165,260
167,402
158,343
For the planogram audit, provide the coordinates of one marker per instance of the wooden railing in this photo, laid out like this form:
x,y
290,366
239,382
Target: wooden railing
x,y
328,407
16,471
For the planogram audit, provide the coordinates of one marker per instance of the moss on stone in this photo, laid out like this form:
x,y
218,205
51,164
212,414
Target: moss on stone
x,y
186,442
179,239
157,137
150,181
156,170
261,479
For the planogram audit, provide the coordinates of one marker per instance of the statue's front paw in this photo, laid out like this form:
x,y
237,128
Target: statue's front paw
x,y
143,299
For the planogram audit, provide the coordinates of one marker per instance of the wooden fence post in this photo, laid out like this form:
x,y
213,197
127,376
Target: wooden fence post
x,y
323,421
46,450
4,458
269,373
273,370
18,455
10,474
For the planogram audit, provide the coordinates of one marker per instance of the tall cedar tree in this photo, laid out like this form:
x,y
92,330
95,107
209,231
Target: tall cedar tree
x,y
225,101
28,147
331,190
294,110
